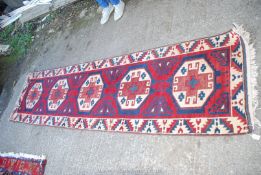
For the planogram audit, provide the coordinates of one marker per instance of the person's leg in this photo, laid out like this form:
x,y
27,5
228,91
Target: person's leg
x,y
119,8
103,3
106,11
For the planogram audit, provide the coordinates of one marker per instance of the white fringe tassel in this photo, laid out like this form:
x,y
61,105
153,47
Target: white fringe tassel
x,y
22,155
251,72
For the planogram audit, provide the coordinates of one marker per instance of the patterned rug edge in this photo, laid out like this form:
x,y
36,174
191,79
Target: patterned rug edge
x,y
22,160
251,75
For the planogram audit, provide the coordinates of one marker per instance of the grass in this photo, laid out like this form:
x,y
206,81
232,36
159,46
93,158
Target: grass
x,y
19,38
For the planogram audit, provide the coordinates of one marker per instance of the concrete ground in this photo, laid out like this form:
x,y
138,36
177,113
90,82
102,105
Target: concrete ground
x,y
145,24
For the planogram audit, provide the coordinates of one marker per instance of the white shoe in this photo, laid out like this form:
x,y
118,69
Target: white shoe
x,y
119,8
106,12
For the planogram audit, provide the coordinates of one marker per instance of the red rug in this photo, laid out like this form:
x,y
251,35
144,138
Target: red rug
x,y
195,87
21,164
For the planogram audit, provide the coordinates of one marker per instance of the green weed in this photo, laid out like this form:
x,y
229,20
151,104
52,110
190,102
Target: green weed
x,y
19,38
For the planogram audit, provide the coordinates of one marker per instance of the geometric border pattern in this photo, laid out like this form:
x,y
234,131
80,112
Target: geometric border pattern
x,y
22,164
164,126
237,122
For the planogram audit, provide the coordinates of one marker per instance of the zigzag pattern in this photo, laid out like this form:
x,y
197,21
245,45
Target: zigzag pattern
x,y
167,51
154,91
226,125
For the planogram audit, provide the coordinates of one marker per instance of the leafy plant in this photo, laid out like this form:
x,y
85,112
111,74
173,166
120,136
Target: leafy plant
x,y
19,38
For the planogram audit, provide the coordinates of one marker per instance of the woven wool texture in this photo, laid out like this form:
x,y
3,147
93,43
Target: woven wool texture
x,y
195,87
22,164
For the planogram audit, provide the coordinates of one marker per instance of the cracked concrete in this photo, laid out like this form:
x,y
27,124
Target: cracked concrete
x,y
145,24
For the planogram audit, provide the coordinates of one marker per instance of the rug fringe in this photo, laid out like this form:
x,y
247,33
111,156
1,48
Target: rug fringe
x,y
22,155
251,72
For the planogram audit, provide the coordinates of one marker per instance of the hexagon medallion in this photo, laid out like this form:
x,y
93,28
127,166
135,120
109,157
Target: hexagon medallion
x,y
34,95
134,89
57,94
90,93
193,83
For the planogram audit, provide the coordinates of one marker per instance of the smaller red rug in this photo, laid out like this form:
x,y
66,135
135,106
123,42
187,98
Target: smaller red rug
x,y
21,164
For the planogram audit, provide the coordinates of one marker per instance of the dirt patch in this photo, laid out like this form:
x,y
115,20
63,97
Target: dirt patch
x,y
72,17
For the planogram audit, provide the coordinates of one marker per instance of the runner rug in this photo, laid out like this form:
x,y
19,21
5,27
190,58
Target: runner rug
x,y
21,164
202,86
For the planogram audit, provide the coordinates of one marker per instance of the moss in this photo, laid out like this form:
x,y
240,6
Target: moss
x,y
19,38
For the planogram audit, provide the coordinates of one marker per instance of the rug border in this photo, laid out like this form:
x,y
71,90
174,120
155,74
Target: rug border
x,y
30,74
29,77
22,156
136,132
251,74
42,160
103,59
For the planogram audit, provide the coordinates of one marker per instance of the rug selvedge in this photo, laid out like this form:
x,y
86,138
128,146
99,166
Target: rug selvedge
x,y
196,87
22,164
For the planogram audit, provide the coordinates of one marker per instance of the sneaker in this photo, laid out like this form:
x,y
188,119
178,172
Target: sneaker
x,y
119,8
106,12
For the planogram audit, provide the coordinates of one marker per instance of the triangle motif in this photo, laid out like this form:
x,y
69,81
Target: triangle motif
x,y
158,107
221,56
